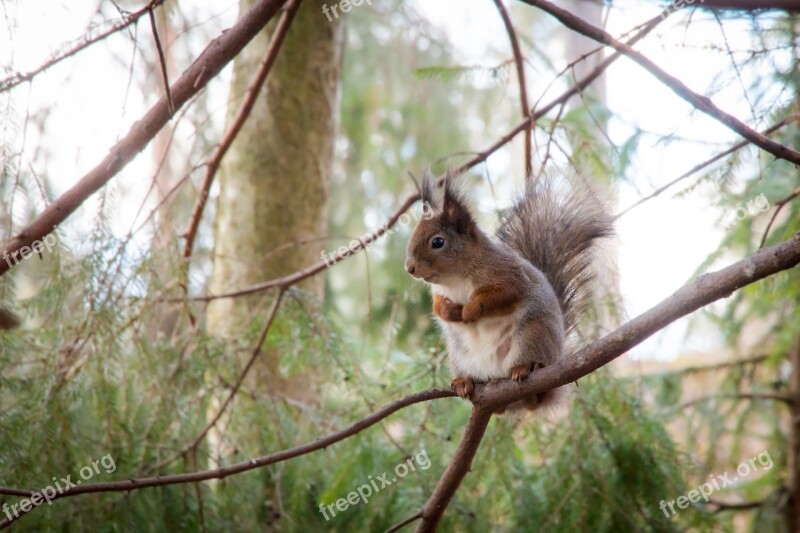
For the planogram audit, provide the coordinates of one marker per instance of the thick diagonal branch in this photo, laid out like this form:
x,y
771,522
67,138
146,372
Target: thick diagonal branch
x,y
691,297
700,102
216,55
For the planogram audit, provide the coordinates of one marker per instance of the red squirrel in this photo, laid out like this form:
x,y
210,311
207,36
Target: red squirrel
x,y
507,303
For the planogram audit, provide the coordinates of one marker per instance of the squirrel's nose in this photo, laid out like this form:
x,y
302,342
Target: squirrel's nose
x,y
410,268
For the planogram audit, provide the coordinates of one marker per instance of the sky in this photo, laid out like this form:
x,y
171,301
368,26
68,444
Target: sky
x,y
660,244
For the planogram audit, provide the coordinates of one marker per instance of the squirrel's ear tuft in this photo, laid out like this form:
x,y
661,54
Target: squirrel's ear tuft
x,y
455,208
428,189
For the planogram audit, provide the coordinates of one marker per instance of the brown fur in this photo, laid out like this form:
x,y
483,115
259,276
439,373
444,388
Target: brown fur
x,y
445,309
506,304
490,300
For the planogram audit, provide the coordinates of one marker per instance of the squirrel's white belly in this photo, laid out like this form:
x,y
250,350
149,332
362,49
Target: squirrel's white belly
x,y
483,350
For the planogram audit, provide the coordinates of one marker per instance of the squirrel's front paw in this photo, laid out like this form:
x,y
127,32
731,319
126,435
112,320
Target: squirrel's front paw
x,y
463,387
446,309
471,312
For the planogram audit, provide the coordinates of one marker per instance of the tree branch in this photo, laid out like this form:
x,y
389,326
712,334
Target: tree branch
x,y
752,396
700,102
163,61
700,166
216,55
780,204
457,469
523,91
792,6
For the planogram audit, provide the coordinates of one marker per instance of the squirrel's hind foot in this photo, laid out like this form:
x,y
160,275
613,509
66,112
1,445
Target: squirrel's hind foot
x,y
520,372
463,387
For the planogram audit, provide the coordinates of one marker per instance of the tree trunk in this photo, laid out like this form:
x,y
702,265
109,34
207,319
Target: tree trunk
x,y
272,210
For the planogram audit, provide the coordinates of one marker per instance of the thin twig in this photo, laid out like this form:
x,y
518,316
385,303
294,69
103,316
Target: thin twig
x,y
398,526
519,61
751,396
735,506
780,205
163,61
18,78
700,166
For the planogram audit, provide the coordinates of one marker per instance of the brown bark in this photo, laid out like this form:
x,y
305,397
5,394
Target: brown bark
x,y
275,179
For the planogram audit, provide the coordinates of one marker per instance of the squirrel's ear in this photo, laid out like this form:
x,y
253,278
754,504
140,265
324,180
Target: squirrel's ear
x,y
455,209
428,189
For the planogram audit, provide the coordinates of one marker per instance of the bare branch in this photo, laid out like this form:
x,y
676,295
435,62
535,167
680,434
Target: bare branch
x,y
700,102
457,469
398,526
216,55
735,506
791,6
18,78
780,204
251,95
696,369
523,91
163,61
751,396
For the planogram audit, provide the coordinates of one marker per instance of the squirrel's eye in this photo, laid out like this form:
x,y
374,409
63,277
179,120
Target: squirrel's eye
x,y
437,243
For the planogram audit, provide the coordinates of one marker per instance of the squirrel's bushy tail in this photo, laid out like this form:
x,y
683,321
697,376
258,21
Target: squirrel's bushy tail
x,y
554,226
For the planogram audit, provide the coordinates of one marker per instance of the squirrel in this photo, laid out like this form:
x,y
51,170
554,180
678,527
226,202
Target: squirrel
x,y
507,304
